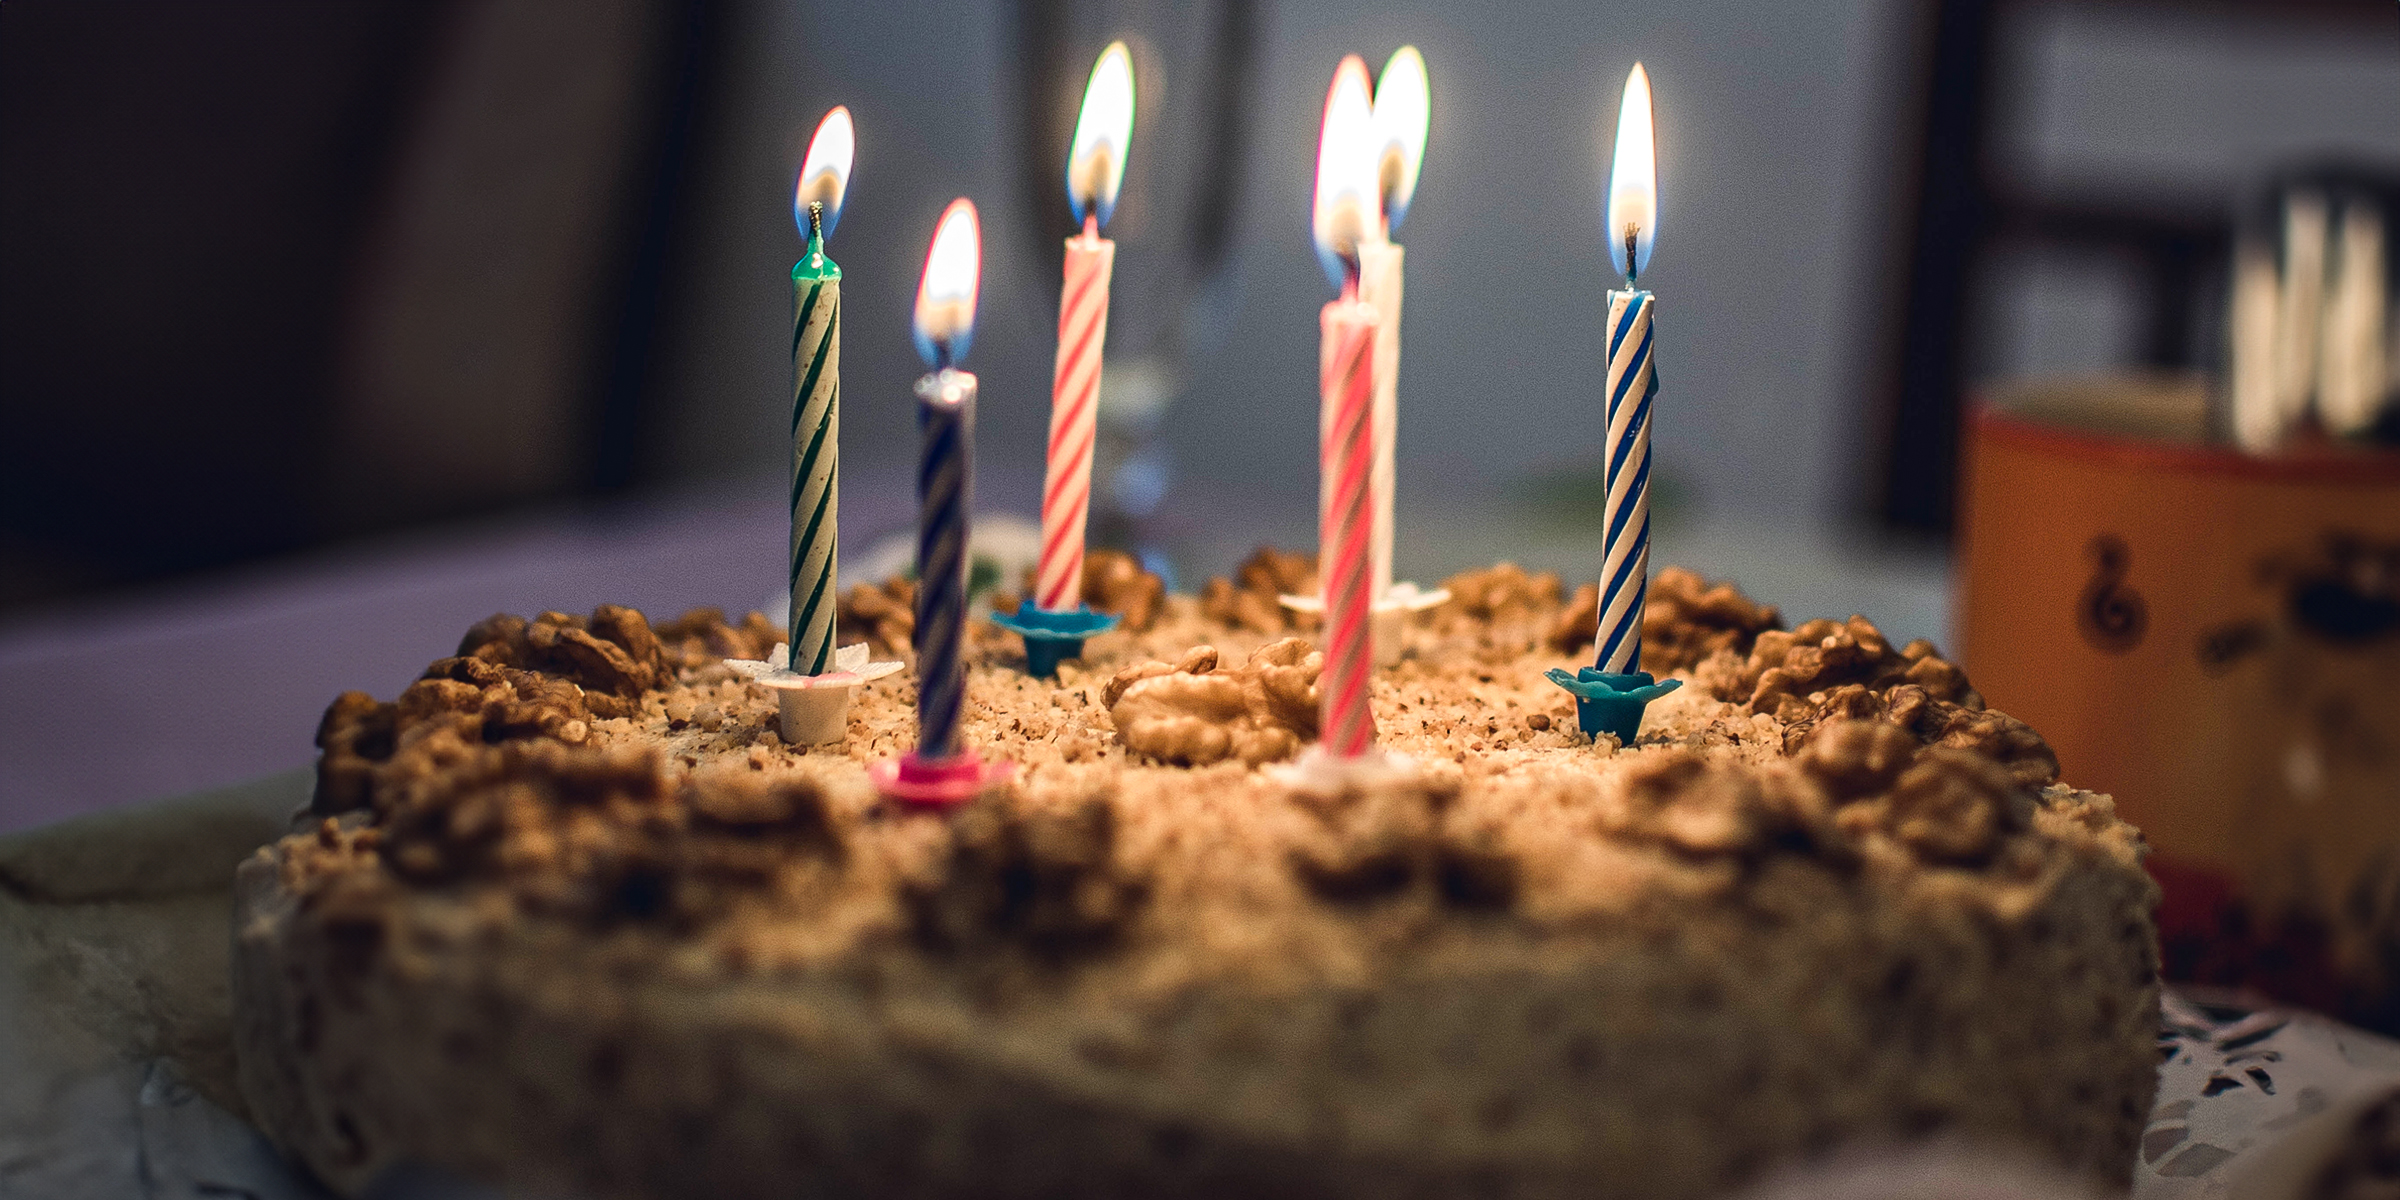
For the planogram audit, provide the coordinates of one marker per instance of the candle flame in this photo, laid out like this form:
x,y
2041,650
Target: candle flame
x,y
946,293
825,173
1345,208
1403,107
1096,163
1633,183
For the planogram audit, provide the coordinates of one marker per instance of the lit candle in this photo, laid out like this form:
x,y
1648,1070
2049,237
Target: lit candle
x,y
1402,107
1632,384
2350,375
811,679
945,476
2297,327
1095,167
1611,694
1343,216
2256,303
817,399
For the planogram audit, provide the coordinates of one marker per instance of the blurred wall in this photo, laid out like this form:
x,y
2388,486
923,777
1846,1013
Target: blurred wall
x,y
1769,173
2187,114
278,274
183,189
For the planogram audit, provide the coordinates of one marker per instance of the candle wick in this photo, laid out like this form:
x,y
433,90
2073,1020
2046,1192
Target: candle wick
x,y
816,218
1350,270
1633,268
1091,226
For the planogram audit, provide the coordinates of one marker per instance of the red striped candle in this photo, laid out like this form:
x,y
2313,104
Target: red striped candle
x,y
1074,407
1346,520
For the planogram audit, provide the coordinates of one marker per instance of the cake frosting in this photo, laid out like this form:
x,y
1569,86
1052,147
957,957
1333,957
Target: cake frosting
x,y
568,915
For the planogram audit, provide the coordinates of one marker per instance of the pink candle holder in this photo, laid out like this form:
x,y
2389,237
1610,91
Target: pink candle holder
x,y
938,782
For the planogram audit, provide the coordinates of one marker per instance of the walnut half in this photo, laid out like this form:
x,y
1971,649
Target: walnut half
x,y
1192,713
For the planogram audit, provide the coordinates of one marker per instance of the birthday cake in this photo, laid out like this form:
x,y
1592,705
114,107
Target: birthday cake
x,y
569,916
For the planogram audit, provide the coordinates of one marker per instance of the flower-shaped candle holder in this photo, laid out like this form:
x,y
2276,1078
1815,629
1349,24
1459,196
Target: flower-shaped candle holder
x,y
1390,615
816,708
1611,702
1051,636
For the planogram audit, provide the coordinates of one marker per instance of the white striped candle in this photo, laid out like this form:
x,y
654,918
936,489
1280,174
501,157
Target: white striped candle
x,y
1380,266
1401,114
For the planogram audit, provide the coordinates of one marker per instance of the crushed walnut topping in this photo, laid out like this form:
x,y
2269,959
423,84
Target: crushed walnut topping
x,y
1856,783
1192,713
549,678
605,771
1685,621
1252,599
1046,878
1113,582
883,614
1847,670
600,835
1503,594
1401,837
703,636
612,654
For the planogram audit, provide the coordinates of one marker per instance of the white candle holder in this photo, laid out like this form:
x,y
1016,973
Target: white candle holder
x,y
1389,615
816,708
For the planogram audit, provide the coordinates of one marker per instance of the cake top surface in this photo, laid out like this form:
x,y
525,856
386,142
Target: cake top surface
x,y
611,784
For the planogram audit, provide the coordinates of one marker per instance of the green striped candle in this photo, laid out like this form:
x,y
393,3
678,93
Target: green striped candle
x,y
816,455
817,400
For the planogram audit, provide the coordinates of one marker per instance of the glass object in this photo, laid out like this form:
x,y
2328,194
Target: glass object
x,y
1192,65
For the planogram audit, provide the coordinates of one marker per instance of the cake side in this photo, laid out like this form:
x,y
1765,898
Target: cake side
x,y
675,957
1546,1062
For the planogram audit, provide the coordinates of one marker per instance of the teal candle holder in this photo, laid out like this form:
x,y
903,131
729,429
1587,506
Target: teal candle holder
x,y
1052,636
1606,701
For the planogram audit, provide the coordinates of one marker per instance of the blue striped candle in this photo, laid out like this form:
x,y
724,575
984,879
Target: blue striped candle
x,y
1611,693
1625,565
945,479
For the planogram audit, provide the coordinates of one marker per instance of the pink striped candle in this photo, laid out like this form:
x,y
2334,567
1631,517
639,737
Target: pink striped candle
x,y
1074,409
1346,521
1095,168
1345,211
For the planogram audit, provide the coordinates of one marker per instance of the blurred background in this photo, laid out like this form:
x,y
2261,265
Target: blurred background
x,y
326,330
